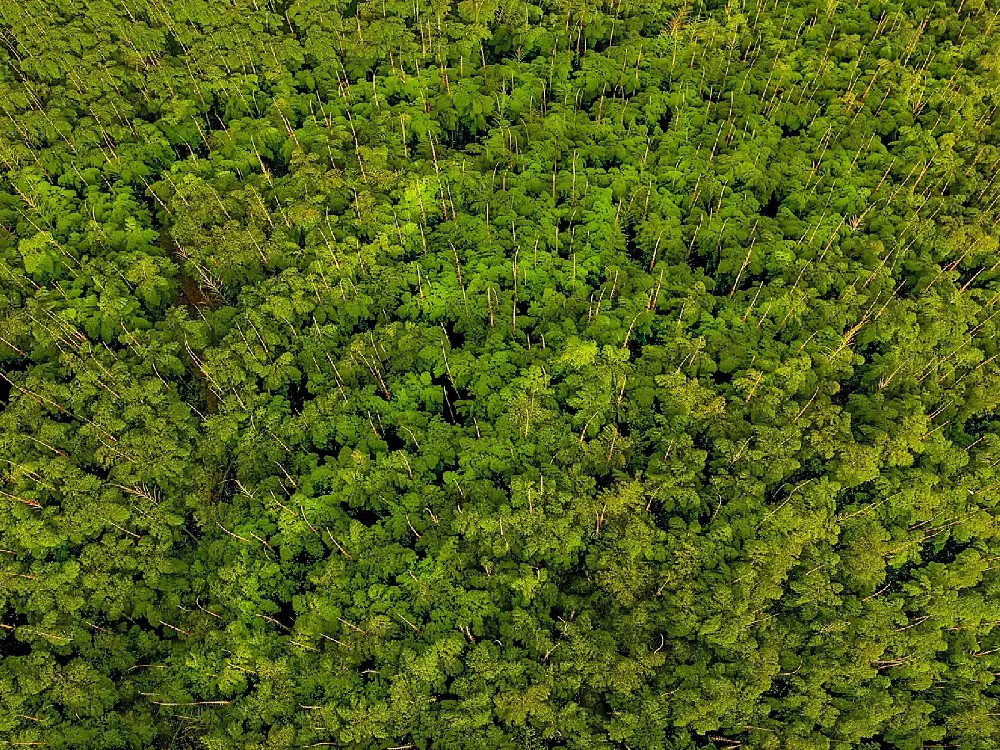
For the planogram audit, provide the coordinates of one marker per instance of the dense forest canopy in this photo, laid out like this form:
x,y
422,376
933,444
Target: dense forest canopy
x,y
499,374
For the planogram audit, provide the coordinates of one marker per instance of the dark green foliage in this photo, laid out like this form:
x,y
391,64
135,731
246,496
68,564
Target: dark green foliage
x,y
490,374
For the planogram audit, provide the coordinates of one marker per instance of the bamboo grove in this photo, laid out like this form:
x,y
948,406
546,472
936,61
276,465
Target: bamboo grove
x,y
499,374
